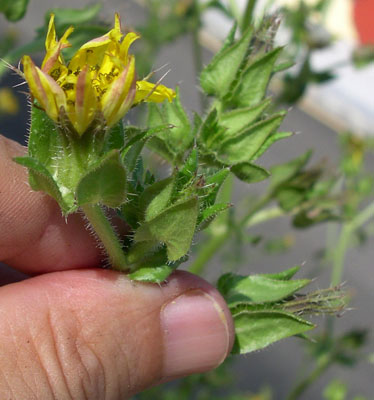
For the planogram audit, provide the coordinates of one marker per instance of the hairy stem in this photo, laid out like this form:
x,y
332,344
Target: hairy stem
x,y
248,14
105,232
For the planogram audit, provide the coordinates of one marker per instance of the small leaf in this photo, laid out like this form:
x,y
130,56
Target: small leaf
x,y
156,198
41,180
244,146
211,212
270,141
104,184
13,10
284,275
240,118
217,76
249,173
72,16
179,135
175,227
152,274
214,183
336,390
255,79
114,138
131,155
284,172
256,330
189,169
257,288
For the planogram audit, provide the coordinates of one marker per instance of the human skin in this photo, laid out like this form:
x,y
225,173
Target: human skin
x,y
76,331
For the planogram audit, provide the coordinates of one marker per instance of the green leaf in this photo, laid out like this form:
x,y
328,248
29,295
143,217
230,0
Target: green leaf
x,y
114,138
72,16
156,198
211,212
189,169
41,180
104,184
289,198
245,145
131,155
214,183
284,275
336,390
179,135
238,289
240,118
255,79
256,330
284,172
249,172
152,274
175,227
13,10
216,77
270,141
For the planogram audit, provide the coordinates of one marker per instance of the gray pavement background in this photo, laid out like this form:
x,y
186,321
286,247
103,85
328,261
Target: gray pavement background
x,y
278,365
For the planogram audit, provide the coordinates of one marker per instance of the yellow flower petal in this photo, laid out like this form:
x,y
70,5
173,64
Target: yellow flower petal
x,y
85,102
150,92
126,43
120,95
53,62
48,93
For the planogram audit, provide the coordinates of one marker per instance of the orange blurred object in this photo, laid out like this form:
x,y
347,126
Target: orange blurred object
x,y
364,20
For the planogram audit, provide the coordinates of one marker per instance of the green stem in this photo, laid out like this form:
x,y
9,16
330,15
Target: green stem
x,y
344,240
107,235
197,51
248,15
309,380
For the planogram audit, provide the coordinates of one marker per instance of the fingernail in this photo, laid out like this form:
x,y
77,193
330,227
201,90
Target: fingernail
x,y
196,334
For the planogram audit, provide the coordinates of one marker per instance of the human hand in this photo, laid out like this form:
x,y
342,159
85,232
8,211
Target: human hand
x,y
74,331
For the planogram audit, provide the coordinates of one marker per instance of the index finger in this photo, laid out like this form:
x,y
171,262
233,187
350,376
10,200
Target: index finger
x,y
34,236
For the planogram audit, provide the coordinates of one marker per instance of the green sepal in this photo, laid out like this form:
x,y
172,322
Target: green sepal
x,y
217,76
41,180
178,136
252,87
249,173
175,227
255,330
238,289
104,184
44,138
114,138
240,118
152,274
156,198
245,145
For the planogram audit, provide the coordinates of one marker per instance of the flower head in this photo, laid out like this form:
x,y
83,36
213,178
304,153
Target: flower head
x,y
100,79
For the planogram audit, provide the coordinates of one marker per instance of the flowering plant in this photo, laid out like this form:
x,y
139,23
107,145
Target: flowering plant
x,y
82,155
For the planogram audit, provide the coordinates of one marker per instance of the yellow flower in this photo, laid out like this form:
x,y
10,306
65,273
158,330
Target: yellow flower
x,y
100,79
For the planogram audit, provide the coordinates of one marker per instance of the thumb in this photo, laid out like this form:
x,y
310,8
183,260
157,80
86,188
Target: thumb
x,y
95,334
